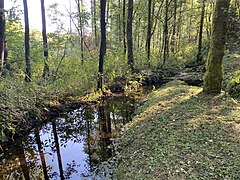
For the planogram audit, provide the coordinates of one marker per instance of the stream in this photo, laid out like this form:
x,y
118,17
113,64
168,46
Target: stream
x,y
70,146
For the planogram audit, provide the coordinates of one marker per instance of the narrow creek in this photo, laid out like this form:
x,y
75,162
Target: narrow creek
x,y
70,146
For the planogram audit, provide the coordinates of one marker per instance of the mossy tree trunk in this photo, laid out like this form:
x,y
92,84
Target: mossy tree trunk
x,y
214,71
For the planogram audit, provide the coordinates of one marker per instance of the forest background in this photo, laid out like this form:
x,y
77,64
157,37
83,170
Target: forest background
x,y
167,37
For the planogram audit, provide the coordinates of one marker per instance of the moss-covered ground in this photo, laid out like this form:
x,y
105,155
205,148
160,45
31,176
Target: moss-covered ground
x,y
180,133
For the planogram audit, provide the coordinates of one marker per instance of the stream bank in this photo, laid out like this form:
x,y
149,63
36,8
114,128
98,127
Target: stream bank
x,y
180,133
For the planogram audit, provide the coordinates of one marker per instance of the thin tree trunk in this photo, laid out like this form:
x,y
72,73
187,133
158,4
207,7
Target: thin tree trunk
x,y
138,25
70,17
129,35
103,43
179,30
80,24
174,27
119,21
2,34
149,31
95,22
124,28
108,11
166,49
209,19
199,55
190,25
45,43
27,44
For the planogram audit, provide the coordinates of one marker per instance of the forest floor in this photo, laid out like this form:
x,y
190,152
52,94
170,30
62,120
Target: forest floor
x,y
181,133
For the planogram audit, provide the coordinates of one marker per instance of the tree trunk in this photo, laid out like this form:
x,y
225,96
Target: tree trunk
x,y
124,28
174,27
149,31
214,71
199,55
166,49
27,44
103,43
2,34
129,35
95,23
119,22
179,27
45,43
80,24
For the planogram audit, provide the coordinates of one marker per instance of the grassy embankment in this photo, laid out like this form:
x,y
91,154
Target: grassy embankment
x,y
180,133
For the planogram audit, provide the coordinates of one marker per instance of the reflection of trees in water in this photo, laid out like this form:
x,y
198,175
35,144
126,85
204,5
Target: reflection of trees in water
x,y
57,149
93,126
23,162
18,161
111,116
105,131
41,153
88,115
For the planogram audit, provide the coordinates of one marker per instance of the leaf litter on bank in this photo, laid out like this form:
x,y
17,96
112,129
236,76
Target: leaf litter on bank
x,y
180,133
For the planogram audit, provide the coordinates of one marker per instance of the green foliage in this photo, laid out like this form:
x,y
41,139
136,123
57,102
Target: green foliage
x,y
234,85
15,41
69,77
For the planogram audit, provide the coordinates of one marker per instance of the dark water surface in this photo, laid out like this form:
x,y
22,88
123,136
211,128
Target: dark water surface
x,y
70,146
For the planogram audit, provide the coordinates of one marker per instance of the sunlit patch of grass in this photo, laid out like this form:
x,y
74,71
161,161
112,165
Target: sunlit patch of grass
x,y
161,101
180,133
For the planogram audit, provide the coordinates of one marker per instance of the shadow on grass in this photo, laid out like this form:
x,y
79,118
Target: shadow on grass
x,y
181,133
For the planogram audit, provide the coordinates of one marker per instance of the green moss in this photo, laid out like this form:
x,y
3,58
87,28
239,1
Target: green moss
x,y
214,71
179,133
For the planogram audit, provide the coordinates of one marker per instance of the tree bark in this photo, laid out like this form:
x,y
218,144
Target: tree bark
x,y
27,44
174,27
119,22
45,42
166,44
95,23
103,43
124,28
149,31
129,35
80,24
214,71
199,55
2,34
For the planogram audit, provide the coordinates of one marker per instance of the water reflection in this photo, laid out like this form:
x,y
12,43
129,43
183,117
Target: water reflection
x,y
69,147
